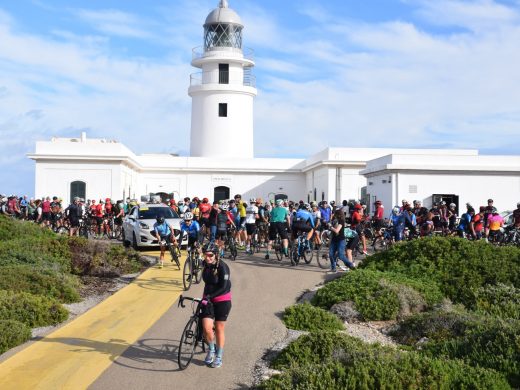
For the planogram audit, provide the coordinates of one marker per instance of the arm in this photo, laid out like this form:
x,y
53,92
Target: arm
x,y
223,282
336,229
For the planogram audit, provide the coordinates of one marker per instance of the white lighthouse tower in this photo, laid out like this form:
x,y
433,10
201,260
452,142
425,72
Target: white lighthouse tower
x,y
222,94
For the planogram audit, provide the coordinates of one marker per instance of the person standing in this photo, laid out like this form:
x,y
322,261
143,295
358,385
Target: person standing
x,y
74,213
337,242
279,222
216,303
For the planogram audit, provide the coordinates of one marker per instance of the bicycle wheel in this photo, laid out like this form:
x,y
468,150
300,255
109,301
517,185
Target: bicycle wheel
x,y
379,244
233,249
322,257
308,253
188,343
295,259
278,249
187,273
175,252
197,270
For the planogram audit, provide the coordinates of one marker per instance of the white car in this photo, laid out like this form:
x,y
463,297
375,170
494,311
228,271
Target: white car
x,y
138,225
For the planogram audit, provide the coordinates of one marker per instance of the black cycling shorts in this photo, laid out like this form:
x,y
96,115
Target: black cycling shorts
x,y
352,243
250,228
221,235
277,228
218,311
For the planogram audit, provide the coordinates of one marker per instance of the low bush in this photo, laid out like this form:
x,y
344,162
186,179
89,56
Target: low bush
x,y
378,295
499,301
350,364
98,258
13,333
10,228
40,281
310,318
458,266
479,340
32,310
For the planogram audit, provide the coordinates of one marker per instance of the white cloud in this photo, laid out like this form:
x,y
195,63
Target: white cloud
x,y
115,22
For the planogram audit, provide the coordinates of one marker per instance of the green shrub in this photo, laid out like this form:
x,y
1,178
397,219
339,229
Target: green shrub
x,y
13,333
378,295
479,340
50,252
458,266
32,310
40,281
100,258
10,229
499,301
340,362
310,318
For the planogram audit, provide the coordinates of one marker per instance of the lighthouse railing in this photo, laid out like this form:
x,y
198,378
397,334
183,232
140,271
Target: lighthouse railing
x,y
246,53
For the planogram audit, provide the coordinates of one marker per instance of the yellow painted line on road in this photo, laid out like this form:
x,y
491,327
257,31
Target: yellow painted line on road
x,y
74,356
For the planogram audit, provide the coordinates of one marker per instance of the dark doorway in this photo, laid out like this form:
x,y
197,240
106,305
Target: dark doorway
x,y
448,198
221,193
77,188
223,73
280,196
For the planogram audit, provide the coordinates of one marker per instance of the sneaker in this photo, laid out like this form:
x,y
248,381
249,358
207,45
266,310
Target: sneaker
x,y
342,267
267,257
217,363
333,271
210,357
365,253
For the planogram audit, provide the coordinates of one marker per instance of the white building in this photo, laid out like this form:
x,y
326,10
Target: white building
x,y
222,108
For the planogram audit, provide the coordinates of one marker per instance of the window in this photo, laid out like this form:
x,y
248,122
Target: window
x,y
222,110
77,188
223,73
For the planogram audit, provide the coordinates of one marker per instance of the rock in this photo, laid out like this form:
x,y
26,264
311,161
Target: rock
x,y
346,311
308,294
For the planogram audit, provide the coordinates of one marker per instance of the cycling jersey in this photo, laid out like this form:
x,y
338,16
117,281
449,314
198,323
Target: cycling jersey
x,y
356,219
192,230
465,219
379,212
217,287
279,214
305,217
162,229
241,209
478,223
495,222
251,213
325,214
205,209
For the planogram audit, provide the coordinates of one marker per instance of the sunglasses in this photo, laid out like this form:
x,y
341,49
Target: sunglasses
x,y
210,255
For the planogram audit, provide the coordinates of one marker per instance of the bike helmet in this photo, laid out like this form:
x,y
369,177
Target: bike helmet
x,y
396,210
159,219
210,247
452,205
224,207
378,202
205,200
443,203
279,202
188,216
307,206
252,200
404,201
416,202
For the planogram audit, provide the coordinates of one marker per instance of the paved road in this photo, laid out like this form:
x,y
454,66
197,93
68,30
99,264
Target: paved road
x,y
261,291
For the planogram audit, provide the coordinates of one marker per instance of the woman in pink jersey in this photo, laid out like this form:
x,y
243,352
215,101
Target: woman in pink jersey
x,y
216,303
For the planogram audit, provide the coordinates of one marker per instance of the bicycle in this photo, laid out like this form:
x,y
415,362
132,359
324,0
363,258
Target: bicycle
x,y
231,244
175,252
192,335
301,249
278,247
192,268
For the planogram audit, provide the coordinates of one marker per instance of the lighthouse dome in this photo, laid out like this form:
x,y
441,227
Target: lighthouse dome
x,y
223,15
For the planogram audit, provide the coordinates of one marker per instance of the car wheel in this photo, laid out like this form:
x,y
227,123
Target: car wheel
x,y
126,243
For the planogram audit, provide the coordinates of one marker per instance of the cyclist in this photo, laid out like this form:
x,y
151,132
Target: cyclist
x,y
250,221
357,224
477,224
192,228
495,222
205,210
211,221
279,222
397,222
73,213
378,219
241,225
317,217
303,222
452,217
216,303
516,216
224,220
164,233
465,219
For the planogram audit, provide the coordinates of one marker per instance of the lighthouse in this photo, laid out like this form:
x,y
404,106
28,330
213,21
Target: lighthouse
x,y
223,90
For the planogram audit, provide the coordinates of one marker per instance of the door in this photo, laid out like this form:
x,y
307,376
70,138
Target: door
x,y
77,189
220,193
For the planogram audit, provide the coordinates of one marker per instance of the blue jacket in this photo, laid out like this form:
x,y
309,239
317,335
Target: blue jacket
x,y
305,216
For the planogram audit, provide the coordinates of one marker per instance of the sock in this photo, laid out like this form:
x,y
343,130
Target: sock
x,y
220,352
285,250
212,347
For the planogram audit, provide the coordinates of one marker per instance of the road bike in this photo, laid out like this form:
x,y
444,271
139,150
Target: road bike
x,y
301,249
231,244
175,252
192,335
192,270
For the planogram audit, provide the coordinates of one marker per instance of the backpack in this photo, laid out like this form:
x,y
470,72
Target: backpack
x,y
349,233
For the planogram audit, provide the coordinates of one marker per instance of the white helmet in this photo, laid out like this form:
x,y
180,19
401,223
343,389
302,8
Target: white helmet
x,y
188,216
252,200
224,207
396,210
279,202
452,205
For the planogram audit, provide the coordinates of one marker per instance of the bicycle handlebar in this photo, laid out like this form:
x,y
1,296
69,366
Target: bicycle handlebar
x,y
183,298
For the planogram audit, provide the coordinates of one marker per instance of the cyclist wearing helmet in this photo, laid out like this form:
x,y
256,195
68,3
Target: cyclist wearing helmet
x,y
164,234
379,213
216,304
192,228
397,221
452,217
280,220
223,221
251,217
241,225
205,210
303,222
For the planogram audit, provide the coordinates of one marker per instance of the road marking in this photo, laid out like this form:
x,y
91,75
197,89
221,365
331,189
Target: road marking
x,y
74,356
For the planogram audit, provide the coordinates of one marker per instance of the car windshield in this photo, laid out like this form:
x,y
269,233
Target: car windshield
x,y
154,212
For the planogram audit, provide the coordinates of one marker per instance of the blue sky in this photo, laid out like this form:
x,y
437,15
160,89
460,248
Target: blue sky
x,y
392,73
